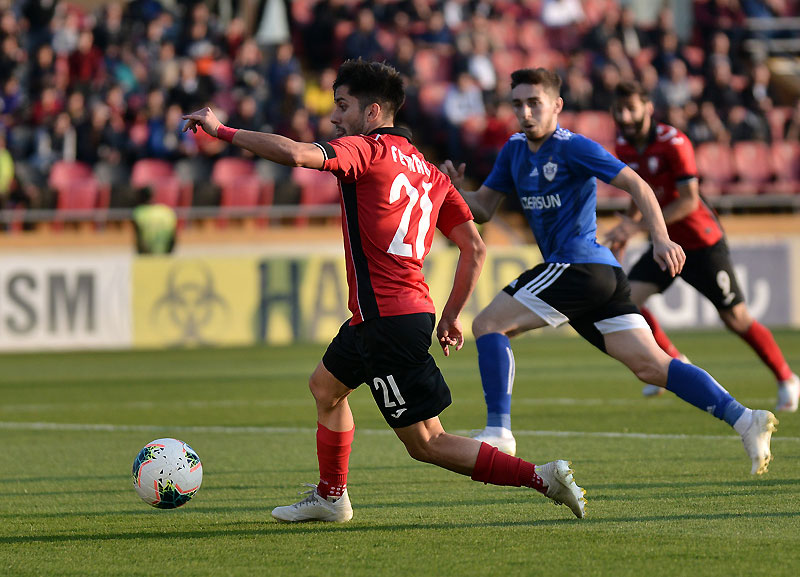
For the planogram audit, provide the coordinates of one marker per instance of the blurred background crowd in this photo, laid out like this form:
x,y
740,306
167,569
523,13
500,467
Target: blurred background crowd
x,y
91,94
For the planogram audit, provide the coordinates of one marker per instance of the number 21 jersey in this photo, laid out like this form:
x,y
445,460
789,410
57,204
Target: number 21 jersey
x,y
391,200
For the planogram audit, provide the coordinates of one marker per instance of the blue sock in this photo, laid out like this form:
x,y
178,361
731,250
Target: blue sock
x,y
698,388
496,362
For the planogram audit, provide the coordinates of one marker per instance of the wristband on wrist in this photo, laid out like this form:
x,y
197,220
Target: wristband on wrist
x,y
225,133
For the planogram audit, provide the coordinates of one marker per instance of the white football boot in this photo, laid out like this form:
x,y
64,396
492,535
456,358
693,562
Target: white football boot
x,y
756,438
499,437
561,486
788,394
649,391
315,508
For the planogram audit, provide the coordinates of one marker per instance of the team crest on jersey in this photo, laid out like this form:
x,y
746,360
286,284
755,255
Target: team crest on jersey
x,y
549,170
652,164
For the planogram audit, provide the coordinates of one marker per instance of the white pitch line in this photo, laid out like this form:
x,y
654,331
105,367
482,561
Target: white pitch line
x,y
234,403
107,428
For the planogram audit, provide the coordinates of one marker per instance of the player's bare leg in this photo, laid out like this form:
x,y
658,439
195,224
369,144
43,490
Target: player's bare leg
x,y
637,349
428,442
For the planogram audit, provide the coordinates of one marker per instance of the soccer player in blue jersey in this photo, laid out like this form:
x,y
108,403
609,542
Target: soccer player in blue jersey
x,y
553,172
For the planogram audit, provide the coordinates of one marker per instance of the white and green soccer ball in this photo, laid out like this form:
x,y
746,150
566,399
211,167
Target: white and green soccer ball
x,y
167,473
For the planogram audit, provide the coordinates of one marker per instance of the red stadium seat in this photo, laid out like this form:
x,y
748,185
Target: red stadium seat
x,y
77,194
64,172
753,166
316,188
240,186
161,178
786,164
715,168
597,125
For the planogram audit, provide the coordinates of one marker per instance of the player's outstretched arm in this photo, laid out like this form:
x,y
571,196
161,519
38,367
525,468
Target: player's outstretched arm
x,y
470,261
273,147
667,254
482,202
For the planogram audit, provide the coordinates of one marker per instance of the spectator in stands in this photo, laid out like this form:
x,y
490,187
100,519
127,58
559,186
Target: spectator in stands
x,y
363,41
629,33
480,65
6,171
719,90
603,92
318,97
577,90
707,126
462,101
603,31
791,130
673,90
747,125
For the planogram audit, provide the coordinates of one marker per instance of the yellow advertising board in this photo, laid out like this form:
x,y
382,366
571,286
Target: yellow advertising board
x,y
186,302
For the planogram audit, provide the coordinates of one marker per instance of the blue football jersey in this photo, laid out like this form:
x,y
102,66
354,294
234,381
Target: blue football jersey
x,y
557,189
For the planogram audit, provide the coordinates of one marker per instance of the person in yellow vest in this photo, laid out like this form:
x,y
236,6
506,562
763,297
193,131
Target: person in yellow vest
x,y
155,224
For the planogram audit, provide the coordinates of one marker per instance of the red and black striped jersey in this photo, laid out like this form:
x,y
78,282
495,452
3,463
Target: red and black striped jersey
x,y
666,161
391,200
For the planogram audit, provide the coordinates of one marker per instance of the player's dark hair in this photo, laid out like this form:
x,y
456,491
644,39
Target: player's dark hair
x,y
547,79
630,88
372,82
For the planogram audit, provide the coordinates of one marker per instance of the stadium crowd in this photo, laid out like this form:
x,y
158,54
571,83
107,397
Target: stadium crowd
x,y
90,100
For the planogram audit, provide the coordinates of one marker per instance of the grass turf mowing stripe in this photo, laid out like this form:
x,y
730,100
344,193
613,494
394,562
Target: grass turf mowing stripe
x,y
107,428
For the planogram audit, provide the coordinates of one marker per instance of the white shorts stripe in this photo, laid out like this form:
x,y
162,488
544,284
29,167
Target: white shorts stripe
x,y
548,314
622,323
548,277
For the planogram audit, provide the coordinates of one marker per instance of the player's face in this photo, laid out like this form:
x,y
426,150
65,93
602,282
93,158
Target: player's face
x,y
348,118
536,110
632,115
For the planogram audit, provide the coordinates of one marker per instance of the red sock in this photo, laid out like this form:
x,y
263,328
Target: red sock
x,y
498,468
333,454
761,340
661,337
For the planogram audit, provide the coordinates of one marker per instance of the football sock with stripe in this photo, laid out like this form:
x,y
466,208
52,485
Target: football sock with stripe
x,y
763,343
496,363
333,454
698,388
497,468
661,337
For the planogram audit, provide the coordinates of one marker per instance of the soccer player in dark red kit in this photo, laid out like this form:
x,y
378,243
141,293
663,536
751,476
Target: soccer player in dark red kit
x,y
391,198
664,157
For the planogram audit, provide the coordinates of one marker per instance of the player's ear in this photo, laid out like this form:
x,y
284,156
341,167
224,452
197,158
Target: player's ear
x,y
559,105
649,108
374,111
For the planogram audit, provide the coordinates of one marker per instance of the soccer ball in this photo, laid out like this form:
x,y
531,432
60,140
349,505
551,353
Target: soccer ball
x,y
167,473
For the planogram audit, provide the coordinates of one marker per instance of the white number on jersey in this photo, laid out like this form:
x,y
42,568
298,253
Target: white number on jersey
x,y
398,245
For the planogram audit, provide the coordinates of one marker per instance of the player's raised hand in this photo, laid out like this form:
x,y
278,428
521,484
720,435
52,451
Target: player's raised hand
x,y
449,334
669,256
456,174
205,119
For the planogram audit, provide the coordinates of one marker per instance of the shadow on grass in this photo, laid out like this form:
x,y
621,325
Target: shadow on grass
x,y
271,528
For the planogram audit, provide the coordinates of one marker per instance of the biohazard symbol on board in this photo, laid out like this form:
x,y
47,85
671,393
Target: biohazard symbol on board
x,y
191,303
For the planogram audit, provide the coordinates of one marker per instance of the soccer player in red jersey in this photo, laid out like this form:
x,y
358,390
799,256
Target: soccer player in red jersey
x,y
664,157
391,199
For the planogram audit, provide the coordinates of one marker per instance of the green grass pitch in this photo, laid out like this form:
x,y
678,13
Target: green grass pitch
x,y
669,490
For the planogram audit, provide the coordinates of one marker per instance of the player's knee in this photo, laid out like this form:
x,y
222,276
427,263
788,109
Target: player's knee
x,y
322,394
736,319
649,371
483,324
418,450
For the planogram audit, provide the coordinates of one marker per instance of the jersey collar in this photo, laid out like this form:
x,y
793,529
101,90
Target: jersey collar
x,y
394,131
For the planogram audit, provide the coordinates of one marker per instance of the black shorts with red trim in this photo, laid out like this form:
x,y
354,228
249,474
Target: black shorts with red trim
x,y
391,354
594,298
709,270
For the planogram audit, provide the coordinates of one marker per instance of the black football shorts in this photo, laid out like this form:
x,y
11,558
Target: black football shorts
x,y
708,269
391,355
594,298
